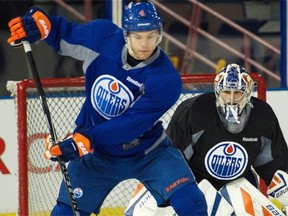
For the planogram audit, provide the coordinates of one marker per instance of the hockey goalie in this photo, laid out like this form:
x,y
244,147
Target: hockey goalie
x,y
238,198
234,145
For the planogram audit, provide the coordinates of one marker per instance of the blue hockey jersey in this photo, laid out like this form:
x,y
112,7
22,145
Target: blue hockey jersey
x,y
123,103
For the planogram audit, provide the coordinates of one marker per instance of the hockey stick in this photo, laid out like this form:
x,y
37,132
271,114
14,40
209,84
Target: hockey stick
x,y
33,68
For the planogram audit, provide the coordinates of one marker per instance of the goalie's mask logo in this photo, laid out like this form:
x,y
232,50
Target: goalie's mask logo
x,y
233,89
226,160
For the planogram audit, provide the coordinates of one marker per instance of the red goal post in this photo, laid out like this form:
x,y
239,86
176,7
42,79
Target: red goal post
x,y
39,179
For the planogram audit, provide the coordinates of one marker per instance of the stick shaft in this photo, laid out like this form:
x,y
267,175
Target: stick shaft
x,y
46,111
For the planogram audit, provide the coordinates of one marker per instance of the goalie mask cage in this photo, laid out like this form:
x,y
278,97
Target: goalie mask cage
x,y
38,178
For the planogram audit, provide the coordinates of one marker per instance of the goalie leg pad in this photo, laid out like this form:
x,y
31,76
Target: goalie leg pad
x,y
61,209
248,200
194,204
217,205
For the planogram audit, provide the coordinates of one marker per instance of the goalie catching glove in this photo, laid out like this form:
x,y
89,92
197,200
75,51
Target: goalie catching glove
x,y
278,190
70,148
34,26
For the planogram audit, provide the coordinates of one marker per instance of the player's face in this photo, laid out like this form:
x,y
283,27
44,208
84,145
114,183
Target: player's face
x,y
142,44
231,97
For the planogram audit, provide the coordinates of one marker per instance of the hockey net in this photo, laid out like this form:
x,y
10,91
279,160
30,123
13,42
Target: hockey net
x,y
38,178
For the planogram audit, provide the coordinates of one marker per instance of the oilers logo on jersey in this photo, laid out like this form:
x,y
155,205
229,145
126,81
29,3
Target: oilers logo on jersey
x,y
226,160
78,192
110,97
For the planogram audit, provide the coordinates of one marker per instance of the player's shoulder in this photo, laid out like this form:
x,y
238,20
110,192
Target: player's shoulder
x,y
162,82
201,100
207,98
197,103
161,72
262,111
102,22
103,27
163,63
260,104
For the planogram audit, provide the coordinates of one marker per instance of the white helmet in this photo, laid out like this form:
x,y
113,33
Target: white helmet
x,y
233,89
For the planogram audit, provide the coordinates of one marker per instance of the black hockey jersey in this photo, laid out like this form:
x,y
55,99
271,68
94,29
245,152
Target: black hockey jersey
x,y
219,156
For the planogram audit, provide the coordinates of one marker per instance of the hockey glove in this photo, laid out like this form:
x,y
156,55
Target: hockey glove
x,y
70,148
34,26
278,190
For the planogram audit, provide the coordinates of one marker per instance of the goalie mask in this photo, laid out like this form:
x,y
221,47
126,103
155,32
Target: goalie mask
x,y
233,89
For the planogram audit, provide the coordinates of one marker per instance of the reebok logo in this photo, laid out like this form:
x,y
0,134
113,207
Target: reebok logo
x,y
135,82
250,139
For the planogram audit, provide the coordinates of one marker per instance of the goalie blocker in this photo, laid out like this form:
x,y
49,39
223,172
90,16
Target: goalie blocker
x,y
238,197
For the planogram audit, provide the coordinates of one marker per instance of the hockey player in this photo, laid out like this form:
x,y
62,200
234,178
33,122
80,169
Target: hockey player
x,y
225,133
130,84
237,131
